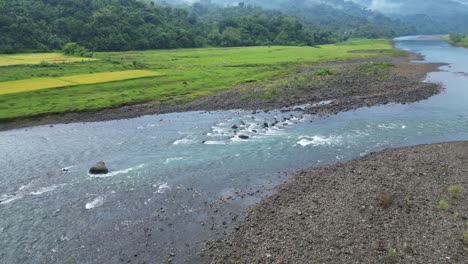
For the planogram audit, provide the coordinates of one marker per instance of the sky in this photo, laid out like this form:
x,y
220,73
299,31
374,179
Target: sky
x,y
384,6
389,6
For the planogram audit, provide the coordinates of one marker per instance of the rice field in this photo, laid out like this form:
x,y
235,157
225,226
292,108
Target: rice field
x,y
37,58
51,82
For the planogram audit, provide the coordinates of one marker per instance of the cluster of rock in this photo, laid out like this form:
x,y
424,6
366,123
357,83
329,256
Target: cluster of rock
x,y
266,125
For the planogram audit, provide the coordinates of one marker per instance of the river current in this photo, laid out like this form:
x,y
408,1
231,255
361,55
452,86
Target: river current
x,y
179,179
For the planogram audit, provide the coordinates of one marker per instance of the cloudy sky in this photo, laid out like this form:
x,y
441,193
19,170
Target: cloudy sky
x,y
395,5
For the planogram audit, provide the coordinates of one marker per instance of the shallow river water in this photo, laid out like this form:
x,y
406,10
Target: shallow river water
x,y
179,179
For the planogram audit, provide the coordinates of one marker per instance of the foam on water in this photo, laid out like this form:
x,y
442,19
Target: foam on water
x,y
319,141
392,126
8,198
184,141
22,193
95,203
162,188
68,168
25,186
169,160
46,189
115,173
215,142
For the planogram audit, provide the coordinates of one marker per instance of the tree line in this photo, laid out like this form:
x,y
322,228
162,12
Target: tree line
x,y
119,25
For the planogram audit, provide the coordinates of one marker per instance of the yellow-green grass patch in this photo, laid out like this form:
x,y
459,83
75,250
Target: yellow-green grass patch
x,y
51,82
37,58
187,74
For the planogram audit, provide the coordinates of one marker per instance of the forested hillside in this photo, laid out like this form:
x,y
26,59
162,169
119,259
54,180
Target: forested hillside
x,y
425,16
341,16
338,15
116,25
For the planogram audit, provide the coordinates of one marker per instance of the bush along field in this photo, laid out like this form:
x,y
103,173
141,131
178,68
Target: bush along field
x,y
457,39
39,86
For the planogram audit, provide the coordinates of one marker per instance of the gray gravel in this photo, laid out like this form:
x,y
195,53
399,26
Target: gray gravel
x,y
355,212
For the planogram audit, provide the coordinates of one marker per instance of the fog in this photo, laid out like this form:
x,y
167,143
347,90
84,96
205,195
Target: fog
x,y
414,6
396,7
423,16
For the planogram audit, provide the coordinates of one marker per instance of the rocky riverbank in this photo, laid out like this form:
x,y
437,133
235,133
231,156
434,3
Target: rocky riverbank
x,y
407,205
346,85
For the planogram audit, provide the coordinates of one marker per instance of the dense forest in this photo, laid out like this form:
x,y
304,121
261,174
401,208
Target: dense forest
x,y
425,16
345,17
117,25
338,15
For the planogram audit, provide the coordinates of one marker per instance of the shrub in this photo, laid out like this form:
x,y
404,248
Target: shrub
x,y
385,200
444,204
456,37
44,64
72,48
454,190
392,252
465,237
324,72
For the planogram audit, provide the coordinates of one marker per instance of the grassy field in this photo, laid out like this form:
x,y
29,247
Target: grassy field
x,y
66,81
185,74
37,58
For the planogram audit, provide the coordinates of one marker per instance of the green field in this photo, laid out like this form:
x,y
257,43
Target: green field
x,y
37,58
183,75
29,85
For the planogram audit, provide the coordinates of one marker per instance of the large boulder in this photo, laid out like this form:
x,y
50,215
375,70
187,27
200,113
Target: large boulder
x,y
99,168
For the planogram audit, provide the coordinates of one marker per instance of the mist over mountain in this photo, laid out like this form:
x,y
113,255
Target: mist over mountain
x,y
427,16
403,16
345,17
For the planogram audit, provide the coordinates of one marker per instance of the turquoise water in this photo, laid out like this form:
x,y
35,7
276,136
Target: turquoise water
x,y
176,178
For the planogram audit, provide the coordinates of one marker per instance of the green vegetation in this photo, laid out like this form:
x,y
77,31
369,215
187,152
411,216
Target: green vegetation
x,y
465,237
346,17
28,85
457,39
454,190
443,204
45,59
73,48
186,74
376,67
392,252
121,25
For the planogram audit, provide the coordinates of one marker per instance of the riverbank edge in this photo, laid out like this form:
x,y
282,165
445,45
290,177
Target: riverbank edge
x,y
399,205
408,73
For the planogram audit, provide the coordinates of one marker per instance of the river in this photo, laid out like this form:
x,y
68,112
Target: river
x,y
179,179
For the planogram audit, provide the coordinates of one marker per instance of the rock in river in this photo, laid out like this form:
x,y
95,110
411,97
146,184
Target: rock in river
x,y
99,168
243,137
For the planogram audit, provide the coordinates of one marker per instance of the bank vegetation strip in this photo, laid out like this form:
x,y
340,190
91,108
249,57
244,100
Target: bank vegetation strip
x,y
185,75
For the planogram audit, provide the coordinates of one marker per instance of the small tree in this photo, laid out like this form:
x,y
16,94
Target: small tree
x,y
72,48
456,37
